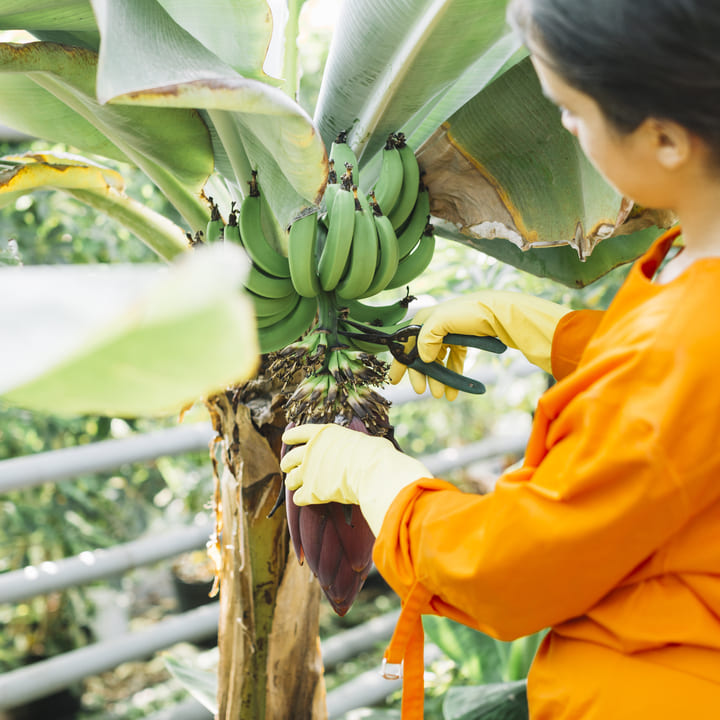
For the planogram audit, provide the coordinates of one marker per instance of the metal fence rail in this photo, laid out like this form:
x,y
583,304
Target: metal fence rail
x,y
100,564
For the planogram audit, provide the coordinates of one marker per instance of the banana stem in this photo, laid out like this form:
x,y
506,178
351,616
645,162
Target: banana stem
x,y
328,317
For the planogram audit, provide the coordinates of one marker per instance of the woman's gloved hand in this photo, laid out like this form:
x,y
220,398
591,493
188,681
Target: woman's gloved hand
x,y
335,464
521,321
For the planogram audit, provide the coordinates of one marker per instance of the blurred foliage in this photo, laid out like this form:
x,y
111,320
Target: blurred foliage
x,y
54,228
56,520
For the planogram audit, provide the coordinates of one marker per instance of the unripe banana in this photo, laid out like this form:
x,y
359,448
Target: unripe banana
x,y
417,261
331,190
341,153
265,306
262,253
410,184
410,235
214,229
263,321
377,315
290,328
387,188
388,254
232,229
265,285
334,255
302,247
363,254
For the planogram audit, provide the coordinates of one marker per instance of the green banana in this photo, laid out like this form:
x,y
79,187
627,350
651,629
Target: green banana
x,y
341,154
410,184
290,328
388,185
302,246
334,255
415,262
331,190
265,285
265,306
363,254
254,240
377,315
232,229
415,226
388,254
263,321
214,229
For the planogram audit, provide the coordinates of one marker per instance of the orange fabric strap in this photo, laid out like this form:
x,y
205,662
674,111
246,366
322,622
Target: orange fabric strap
x,y
406,649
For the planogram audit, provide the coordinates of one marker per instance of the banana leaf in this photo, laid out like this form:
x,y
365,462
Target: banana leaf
x,y
125,340
496,701
259,126
390,60
237,31
505,176
64,80
70,22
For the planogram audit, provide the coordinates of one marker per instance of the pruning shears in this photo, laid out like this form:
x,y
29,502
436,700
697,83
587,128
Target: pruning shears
x,y
397,343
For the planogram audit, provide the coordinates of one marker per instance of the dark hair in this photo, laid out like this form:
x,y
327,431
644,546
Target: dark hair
x,y
636,58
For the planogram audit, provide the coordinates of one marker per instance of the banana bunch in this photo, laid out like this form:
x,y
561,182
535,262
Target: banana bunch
x,y
364,244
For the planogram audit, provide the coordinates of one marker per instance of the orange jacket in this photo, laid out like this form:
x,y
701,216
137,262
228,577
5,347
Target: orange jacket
x,y
609,533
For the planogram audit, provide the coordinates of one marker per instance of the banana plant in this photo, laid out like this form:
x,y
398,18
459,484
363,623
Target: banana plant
x,y
421,116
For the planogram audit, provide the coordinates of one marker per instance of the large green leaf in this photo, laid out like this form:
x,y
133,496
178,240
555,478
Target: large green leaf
x,y
508,143
27,107
561,263
505,176
497,59
66,21
148,59
388,60
478,657
46,15
498,701
172,146
237,31
125,340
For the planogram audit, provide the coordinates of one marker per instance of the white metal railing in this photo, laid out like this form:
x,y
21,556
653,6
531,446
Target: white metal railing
x,y
43,678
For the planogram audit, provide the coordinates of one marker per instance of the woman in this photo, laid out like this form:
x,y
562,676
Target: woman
x,y
607,534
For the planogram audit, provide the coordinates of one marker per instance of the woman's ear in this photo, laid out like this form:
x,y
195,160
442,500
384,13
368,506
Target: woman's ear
x,y
672,143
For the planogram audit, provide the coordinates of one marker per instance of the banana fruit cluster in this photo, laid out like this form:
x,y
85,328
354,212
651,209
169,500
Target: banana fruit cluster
x,y
364,244
351,247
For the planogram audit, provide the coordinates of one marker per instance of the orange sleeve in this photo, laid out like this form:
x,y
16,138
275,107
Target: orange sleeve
x,y
572,334
610,474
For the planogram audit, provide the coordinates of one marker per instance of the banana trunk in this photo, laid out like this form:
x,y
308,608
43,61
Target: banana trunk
x,y
270,664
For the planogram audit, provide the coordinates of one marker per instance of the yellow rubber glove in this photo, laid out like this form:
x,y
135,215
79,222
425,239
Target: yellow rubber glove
x,y
335,464
521,321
